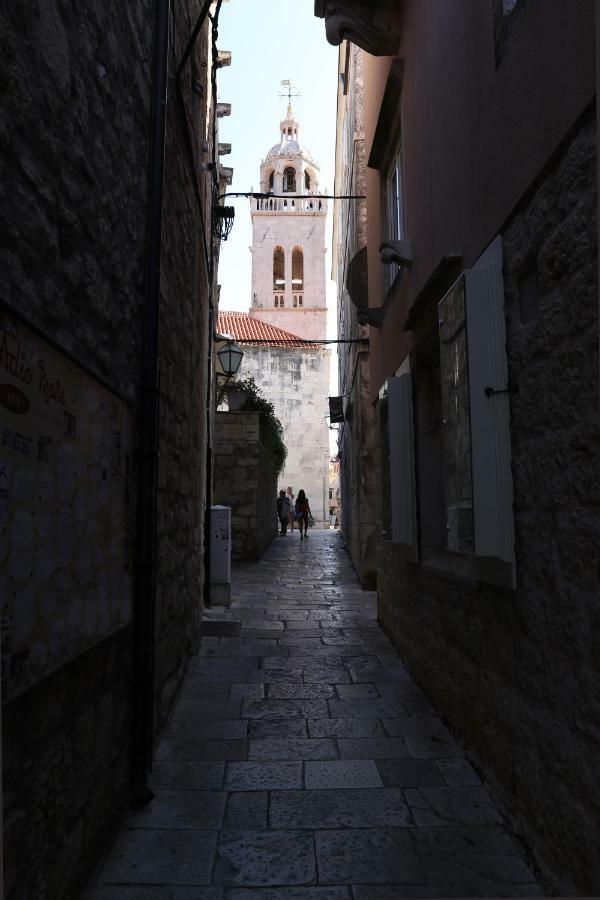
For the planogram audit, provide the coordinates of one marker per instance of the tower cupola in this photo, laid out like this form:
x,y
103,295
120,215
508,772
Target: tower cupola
x,y
288,167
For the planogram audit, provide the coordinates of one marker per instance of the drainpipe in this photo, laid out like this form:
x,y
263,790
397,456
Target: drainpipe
x,y
146,526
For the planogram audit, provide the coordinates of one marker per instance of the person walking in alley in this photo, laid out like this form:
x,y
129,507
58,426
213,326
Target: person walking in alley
x,y
302,512
283,512
290,495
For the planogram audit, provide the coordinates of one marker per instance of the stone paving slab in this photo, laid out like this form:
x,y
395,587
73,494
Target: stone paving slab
x,y
294,691
162,856
278,728
302,761
343,773
319,809
265,858
284,709
263,776
181,809
292,748
370,855
247,809
345,728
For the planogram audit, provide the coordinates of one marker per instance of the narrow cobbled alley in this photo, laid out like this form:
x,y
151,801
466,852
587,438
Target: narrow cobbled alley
x,y
302,760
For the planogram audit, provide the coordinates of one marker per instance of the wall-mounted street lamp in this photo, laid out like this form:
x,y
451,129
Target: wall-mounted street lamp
x,y
229,355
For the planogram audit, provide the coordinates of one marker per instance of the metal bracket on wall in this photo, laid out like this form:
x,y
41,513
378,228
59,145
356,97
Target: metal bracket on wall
x,y
511,389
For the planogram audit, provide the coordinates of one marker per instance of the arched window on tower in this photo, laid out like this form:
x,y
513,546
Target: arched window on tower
x,y
289,179
278,269
271,180
297,272
307,181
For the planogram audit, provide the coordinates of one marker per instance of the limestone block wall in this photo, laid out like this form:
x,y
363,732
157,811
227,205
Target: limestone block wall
x,y
245,480
74,133
518,673
288,230
296,382
309,323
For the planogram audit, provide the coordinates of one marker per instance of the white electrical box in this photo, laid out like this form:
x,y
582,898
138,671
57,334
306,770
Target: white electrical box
x,y
220,555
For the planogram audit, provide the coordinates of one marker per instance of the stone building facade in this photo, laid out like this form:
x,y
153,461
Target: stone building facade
x,y
357,440
294,376
483,327
75,137
246,481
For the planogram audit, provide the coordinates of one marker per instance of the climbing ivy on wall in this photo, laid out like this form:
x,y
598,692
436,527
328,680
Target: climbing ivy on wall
x,y
271,429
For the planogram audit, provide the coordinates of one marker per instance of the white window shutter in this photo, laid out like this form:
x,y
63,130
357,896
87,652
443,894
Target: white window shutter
x,y
402,463
490,425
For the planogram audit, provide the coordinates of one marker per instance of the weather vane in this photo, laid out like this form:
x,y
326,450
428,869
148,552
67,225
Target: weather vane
x,y
288,92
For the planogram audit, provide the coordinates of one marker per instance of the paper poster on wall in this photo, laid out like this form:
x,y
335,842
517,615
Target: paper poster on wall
x,y
65,450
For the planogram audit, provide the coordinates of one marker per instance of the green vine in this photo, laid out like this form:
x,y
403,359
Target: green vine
x,y
271,429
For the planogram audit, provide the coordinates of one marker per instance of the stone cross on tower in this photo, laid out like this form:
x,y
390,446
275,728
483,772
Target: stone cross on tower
x,y
288,237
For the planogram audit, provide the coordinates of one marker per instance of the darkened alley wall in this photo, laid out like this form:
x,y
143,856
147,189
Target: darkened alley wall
x,y
517,673
502,144
74,141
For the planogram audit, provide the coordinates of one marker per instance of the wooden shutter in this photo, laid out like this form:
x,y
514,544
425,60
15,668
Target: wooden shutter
x,y
402,464
490,425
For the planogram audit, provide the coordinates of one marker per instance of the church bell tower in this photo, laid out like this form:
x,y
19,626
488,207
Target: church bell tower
x,y
288,239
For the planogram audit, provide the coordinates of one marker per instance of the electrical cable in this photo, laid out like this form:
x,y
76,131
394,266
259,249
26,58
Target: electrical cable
x,y
259,195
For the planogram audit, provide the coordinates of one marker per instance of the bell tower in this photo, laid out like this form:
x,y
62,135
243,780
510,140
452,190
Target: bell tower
x,y
288,238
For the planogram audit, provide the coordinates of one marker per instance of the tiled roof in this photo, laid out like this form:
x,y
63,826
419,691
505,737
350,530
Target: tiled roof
x,y
244,327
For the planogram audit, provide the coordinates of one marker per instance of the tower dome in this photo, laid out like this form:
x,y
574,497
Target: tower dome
x,y
288,155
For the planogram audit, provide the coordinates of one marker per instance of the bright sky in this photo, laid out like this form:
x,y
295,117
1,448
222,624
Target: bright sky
x,y
271,40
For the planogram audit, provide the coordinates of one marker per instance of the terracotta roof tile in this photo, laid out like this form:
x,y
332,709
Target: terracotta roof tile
x,y
244,327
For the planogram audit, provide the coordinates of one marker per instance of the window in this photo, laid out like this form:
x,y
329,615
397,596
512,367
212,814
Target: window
x,y
271,180
307,181
289,179
394,205
278,268
297,269
456,420
463,432
393,210
299,299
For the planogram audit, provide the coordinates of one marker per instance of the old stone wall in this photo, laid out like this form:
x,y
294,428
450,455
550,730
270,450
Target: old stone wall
x,y
245,480
357,436
74,126
517,674
296,382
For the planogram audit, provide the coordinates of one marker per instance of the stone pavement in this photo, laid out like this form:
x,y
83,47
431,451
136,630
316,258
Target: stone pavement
x,y
303,762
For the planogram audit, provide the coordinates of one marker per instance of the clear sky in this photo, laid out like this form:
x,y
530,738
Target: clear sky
x,y
271,40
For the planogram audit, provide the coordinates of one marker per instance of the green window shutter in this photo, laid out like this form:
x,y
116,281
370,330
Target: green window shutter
x,y
489,411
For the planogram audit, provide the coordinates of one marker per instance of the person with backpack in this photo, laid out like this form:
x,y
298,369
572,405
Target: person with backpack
x,y
283,512
302,512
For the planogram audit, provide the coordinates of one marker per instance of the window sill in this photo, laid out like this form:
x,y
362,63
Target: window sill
x,y
466,568
457,566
